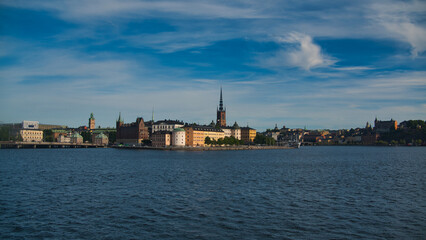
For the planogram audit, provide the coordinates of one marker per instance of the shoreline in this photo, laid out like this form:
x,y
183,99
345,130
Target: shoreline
x,y
196,149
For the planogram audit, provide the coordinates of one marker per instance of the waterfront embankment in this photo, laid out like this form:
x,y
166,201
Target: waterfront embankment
x,y
206,148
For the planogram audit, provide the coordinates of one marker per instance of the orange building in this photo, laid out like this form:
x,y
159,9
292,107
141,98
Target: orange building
x,y
196,135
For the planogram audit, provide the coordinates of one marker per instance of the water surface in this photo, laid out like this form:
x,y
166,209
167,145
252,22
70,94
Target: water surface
x,y
307,193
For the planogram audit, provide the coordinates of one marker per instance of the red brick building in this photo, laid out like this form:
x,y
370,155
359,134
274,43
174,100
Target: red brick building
x,y
134,132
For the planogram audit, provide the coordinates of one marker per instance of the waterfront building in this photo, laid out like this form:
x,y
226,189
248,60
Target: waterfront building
x,y
161,138
91,122
248,134
221,112
76,138
166,125
31,135
178,137
57,133
196,135
227,131
385,126
236,131
134,132
100,139
63,139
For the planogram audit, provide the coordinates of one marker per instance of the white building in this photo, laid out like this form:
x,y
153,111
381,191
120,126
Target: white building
x,y
166,125
64,139
236,131
178,137
227,131
30,124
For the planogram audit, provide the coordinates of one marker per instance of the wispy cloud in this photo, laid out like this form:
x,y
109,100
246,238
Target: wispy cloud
x,y
404,21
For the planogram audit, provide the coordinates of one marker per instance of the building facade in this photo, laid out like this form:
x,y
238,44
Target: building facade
x,y
178,137
236,131
30,124
166,125
196,135
161,138
134,132
91,122
385,126
76,138
221,113
248,134
63,139
31,135
100,139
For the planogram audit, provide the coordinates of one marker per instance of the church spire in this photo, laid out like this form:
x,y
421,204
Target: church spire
x,y
221,101
119,118
221,112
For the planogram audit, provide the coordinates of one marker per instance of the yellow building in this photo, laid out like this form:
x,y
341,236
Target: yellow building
x,y
248,134
31,135
196,135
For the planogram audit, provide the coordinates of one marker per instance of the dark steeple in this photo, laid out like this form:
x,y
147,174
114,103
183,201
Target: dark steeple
x,y
221,112
221,101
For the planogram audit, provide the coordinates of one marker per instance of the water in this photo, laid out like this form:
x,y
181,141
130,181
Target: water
x,y
307,193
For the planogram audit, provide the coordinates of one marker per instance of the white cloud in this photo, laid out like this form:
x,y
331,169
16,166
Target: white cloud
x,y
303,53
403,21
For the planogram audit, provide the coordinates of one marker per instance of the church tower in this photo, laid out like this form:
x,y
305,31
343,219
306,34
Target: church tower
x,y
221,112
91,122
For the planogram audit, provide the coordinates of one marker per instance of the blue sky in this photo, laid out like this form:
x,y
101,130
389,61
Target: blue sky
x,y
320,64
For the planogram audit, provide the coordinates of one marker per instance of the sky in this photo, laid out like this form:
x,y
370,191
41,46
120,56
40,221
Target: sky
x,y
315,64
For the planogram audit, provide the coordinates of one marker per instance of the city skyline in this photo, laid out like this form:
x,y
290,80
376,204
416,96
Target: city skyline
x,y
324,65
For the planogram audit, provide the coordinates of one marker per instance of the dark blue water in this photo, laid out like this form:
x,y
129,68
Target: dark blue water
x,y
307,193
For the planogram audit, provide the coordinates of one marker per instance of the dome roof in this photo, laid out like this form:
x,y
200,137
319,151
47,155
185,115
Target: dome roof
x,y
178,130
76,135
101,136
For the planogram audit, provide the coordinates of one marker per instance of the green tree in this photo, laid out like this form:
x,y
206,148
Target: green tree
x,y
48,135
112,137
207,140
87,136
220,141
4,133
259,139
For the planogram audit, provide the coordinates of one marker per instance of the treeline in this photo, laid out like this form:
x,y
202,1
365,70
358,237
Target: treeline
x,y
4,133
223,141
403,136
263,140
